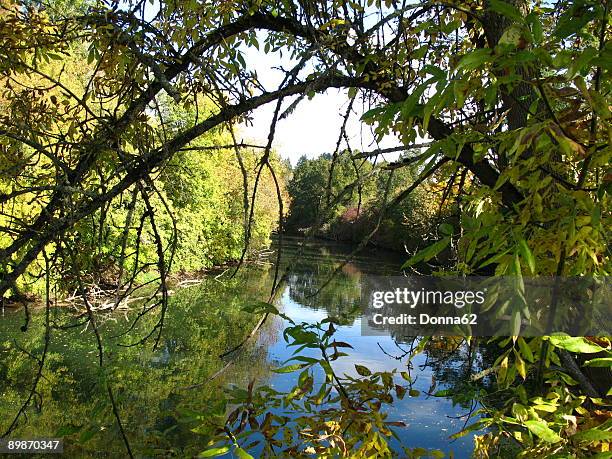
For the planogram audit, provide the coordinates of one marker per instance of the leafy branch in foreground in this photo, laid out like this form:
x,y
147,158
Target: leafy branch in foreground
x,y
325,414
561,422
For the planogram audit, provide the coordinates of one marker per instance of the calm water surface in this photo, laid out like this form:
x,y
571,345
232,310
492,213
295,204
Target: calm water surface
x,y
155,389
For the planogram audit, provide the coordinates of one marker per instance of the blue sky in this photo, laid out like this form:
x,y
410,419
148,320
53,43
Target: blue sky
x,y
314,126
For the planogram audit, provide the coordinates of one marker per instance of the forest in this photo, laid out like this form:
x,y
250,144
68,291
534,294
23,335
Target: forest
x,y
171,287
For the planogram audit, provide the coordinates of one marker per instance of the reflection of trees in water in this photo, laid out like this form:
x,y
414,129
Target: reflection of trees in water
x,y
453,362
314,282
151,387
340,295
317,256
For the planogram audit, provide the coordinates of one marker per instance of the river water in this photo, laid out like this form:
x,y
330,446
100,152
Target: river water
x,y
159,392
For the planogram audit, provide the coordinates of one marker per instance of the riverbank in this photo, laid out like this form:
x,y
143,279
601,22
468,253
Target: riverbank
x,y
111,297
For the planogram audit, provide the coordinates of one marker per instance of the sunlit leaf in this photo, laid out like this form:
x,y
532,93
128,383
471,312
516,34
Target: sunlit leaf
x,y
541,429
213,452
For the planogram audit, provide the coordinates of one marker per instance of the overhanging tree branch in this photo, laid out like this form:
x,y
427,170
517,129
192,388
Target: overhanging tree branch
x,y
44,230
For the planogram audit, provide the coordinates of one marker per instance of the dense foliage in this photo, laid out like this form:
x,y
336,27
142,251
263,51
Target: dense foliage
x,y
194,206
371,209
513,98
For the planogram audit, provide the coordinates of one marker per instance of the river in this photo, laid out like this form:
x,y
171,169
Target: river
x,y
160,392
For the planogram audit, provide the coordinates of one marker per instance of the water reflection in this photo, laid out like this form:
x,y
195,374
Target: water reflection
x,y
157,390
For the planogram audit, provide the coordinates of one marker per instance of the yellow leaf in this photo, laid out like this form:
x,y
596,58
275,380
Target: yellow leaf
x,y
520,367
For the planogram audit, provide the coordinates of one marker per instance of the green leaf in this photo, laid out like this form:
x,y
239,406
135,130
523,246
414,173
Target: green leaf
x,y
520,366
242,454
545,408
437,72
372,114
516,322
582,62
410,106
494,259
302,358
362,371
446,229
443,393
214,451
574,344
525,349
472,427
428,252
304,375
240,59
291,368
320,395
474,59
260,307
541,429
593,435
91,55
536,27
329,372
341,344
506,9
599,104
512,36
600,362
527,255
503,370
520,412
